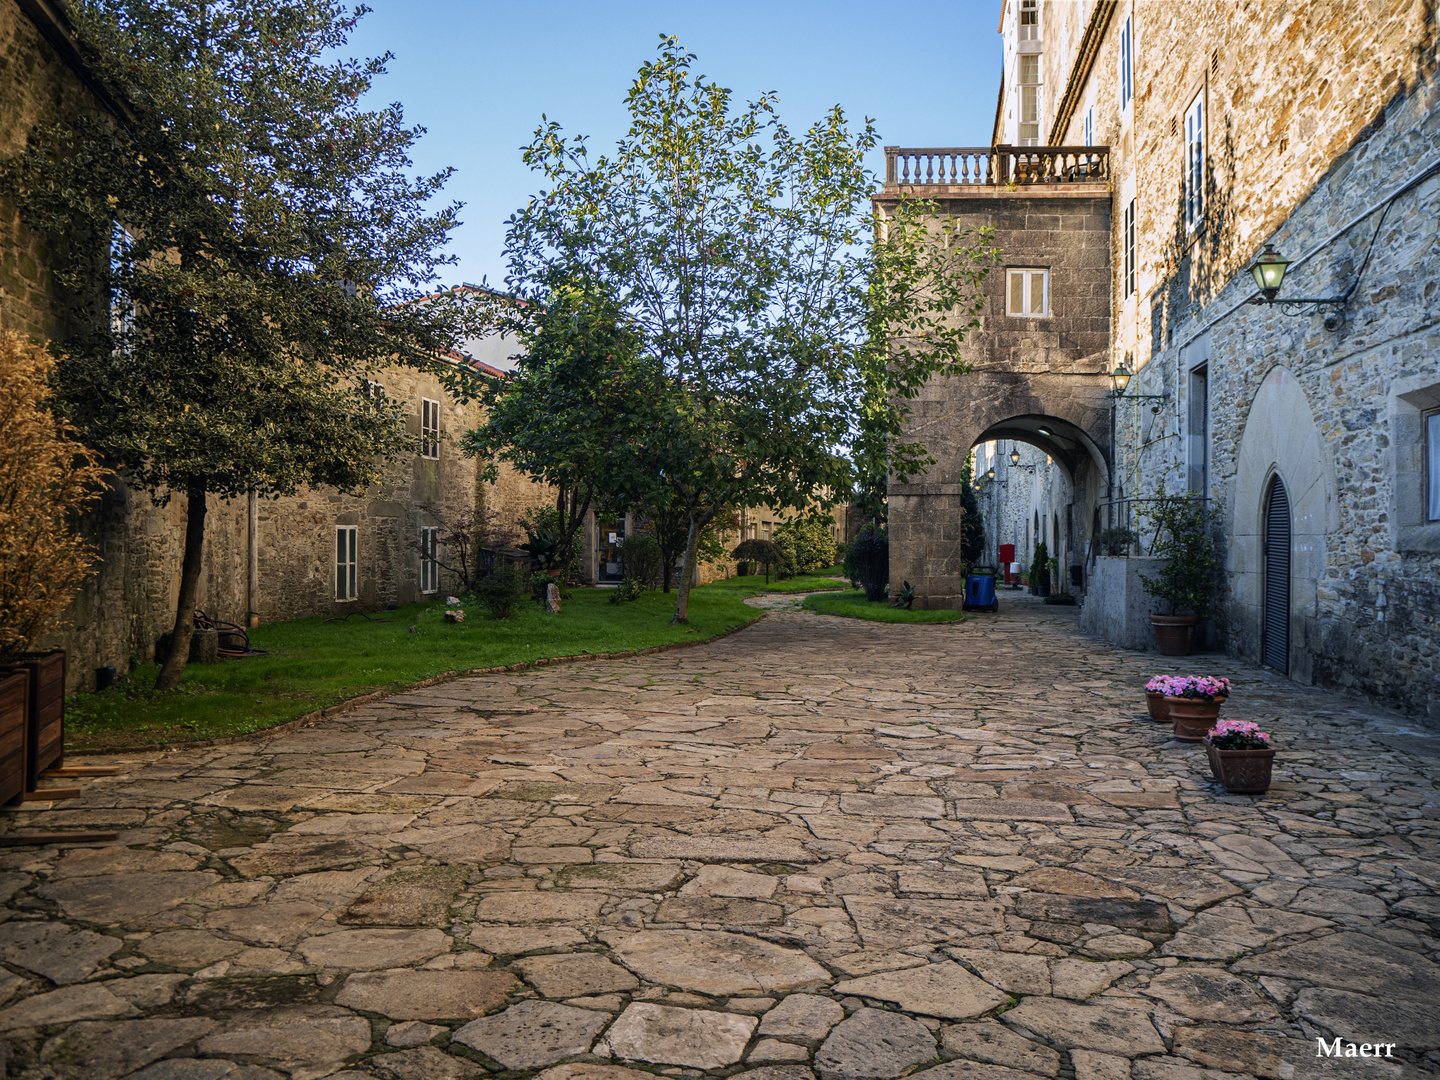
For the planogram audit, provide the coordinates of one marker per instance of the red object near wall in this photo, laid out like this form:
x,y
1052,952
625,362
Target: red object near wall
x,y
1007,556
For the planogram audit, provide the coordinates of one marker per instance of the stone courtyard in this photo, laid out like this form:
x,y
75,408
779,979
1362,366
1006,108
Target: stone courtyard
x,y
819,846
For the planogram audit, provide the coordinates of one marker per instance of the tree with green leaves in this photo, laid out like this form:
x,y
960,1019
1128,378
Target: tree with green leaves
x,y
570,414
242,247
745,260
972,527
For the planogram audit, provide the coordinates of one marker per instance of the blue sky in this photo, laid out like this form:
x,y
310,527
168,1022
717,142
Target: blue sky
x,y
478,76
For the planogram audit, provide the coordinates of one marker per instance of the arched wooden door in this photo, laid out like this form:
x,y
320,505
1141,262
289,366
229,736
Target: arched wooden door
x,y
1276,652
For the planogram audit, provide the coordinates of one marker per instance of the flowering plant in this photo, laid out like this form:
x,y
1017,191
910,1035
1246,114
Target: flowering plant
x,y
1238,735
1208,687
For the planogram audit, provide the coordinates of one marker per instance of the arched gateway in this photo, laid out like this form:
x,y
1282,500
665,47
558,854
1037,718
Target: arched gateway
x,y
1041,353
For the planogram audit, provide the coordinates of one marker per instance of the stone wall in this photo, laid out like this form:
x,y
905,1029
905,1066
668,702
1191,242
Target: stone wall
x,y
36,87
1322,120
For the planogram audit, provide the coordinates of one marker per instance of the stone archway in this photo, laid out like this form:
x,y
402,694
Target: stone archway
x,y
1065,415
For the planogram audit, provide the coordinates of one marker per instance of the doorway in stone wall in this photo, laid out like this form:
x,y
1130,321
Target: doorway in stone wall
x,y
1276,645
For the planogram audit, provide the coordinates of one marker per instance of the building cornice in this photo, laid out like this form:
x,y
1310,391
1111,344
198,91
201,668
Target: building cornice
x,y
1080,72
50,19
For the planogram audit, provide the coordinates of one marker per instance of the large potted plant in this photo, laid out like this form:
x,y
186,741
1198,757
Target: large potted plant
x,y
1241,756
46,479
1040,571
1193,704
1186,581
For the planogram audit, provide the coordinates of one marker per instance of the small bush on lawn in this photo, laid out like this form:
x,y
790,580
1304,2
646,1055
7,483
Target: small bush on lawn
x,y
868,562
764,552
805,544
501,589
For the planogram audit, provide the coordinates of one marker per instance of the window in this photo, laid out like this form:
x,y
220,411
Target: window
x,y
1127,67
1432,465
1029,20
429,567
1027,293
1090,126
371,390
1129,241
429,428
1197,431
122,308
1195,163
1029,99
346,544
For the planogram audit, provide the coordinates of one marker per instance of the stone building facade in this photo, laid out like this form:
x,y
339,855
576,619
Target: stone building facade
x,y
1314,129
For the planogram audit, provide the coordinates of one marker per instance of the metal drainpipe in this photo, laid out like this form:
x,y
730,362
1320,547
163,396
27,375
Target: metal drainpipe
x,y
252,532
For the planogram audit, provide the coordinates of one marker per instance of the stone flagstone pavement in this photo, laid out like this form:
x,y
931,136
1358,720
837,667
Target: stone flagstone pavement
x,y
819,846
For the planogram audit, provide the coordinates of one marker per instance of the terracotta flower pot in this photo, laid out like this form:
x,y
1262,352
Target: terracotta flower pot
x,y
1242,772
1173,633
1194,717
1159,706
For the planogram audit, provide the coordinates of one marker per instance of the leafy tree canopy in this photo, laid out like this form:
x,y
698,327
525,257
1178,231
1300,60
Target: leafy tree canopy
x,y
739,254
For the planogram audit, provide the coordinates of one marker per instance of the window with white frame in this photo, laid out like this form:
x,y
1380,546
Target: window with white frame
x,y
1029,99
1130,248
371,390
1027,293
1090,126
1432,465
1029,20
429,428
429,566
1195,163
346,547
1127,66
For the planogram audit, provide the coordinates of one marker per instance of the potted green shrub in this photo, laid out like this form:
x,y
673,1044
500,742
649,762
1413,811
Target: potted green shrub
x,y
1185,583
1040,571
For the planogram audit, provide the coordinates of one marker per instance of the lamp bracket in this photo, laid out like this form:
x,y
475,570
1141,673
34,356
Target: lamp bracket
x,y
1332,307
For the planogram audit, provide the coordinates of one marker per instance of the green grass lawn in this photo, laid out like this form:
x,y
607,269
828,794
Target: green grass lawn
x,y
751,584
853,605
313,664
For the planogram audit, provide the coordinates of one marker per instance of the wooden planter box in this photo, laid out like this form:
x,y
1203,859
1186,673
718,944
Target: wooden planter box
x,y
45,712
14,711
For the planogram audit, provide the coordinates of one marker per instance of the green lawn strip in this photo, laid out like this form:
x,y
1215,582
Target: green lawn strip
x,y
853,605
754,584
313,664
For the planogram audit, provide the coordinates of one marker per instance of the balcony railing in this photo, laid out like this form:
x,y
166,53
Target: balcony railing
x,y
995,166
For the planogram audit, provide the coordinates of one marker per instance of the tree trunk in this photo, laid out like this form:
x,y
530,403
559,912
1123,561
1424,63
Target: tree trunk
x,y
687,572
667,569
189,589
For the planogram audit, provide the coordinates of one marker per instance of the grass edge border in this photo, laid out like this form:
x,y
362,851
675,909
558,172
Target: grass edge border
x,y
340,707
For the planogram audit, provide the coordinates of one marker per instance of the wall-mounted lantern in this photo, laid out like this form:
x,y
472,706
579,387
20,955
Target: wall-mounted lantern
x,y
1268,270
